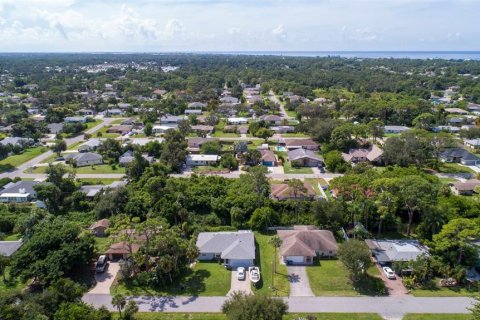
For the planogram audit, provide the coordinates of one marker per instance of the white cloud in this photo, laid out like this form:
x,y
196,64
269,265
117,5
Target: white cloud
x,y
174,28
279,32
363,34
456,36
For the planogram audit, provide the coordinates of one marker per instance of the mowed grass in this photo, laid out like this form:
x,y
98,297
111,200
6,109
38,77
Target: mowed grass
x,y
432,316
11,162
265,255
97,169
92,124
433,289
288,169
104,181
330,278
204,279
102,133
290,316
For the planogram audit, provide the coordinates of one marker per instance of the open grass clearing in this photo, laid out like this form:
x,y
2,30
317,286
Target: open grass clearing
x,y
265,255
102,133
433,289
204,279
330,278
11,162
97,169
288,169
436,316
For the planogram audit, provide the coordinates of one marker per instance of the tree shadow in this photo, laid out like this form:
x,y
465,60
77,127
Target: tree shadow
x,y
6,168
370,286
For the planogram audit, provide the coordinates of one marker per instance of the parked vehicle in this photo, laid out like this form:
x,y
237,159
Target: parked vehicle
x,y
322,169
241,273
389,273
254,274
101,264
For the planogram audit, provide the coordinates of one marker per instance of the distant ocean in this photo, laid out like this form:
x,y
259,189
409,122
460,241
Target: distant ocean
x,y
447,55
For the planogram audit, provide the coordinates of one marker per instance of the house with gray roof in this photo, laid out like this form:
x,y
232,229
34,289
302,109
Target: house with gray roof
x,y
84,159
373,154
90,145
395,129
388,251
459,155
17,141
127,158
304,158
18,192
169,119
8,248
55,128
236,249
76,119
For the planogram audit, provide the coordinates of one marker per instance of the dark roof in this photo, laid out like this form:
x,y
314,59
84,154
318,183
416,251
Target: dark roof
x,y
15,187
459,153
7,248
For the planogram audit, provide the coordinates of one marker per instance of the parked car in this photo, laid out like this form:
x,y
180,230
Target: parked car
x,y
60,158
101,264
389,272
322,169
241,273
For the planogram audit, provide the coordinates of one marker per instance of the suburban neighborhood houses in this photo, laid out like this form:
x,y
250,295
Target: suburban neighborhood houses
x,y
176,184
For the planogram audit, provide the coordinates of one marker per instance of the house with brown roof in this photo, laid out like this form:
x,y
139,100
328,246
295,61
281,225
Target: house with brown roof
x,y
292,144
271,119
466,188
99,227
372,154
120,129
302,244
122,250
283,192
268,158
195,143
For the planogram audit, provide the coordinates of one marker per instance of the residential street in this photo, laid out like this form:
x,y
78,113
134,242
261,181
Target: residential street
x,y
388,307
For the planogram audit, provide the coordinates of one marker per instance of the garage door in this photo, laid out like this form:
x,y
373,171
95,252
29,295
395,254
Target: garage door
x,y
295,259
239,263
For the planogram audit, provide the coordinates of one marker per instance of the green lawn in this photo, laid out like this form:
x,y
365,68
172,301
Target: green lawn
x,y
330,278
454,168
315,183
74,146
104,133
204,279
292,114
92,124
220,134
447,180
433,289
11,162
104,181
430,316
10,284
290,316
287,168
12,237
265,255
98,169
101,244
295,135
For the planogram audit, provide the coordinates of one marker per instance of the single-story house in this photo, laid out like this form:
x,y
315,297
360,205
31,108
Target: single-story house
x,y
203,128
268,158
304,158
240,120
90,145
193,111
456,111
99,227
121,250
8,248
283,129
75,119
236,249
466,188
127,158
17,192
195,143
455,121
450,129
84,159
16,141
395,129
87,112
302,244
196,105
473,143
163,128
194,160
55,128
291,144
388,251
124,105
121,129
474,108
282,192
169,119
372,154
91,190
271,119
114,112
229,100
459,155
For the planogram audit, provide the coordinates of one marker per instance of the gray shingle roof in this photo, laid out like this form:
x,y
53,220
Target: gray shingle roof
x,y
8,248
14,187
302,153
459,153
231,245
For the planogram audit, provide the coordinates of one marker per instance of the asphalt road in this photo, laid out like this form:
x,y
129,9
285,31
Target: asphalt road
x,y
388,307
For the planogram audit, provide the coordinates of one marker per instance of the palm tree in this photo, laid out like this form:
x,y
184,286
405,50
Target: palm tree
x,y
119,301
276,242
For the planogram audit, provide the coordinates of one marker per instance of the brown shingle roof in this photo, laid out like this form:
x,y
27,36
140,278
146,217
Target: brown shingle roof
x,y
268,155
283,192
122,248
306,242
104,223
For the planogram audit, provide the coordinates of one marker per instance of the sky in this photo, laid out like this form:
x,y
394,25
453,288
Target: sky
x,y
238,25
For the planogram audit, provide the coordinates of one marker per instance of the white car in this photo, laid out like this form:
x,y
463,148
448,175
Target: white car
x,y
241,273
389,273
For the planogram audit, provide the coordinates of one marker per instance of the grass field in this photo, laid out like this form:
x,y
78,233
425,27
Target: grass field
x,y
220,134
204,279
430,316
104,134
290,316
11,162
330,278
454,168
98,169
10,284
101,244
265,255
295,135
74,146
287,168
433,289
92,124
104,181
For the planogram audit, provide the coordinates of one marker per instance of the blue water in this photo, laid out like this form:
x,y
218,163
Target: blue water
x,y
446,55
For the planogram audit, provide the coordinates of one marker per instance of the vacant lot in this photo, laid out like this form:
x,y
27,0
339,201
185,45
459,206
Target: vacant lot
x,y
330,278
433,289
204,279
98,169
12,162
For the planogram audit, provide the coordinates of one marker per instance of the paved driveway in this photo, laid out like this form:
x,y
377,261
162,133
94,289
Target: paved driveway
x,y
299,284
239,285
395,286
105,279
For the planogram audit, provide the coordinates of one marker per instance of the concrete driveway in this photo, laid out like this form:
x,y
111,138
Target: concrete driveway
x,y
395,287
240,285
299,284
105,279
